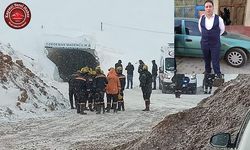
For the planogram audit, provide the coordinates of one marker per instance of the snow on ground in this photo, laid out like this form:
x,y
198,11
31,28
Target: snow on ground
x,y
66,129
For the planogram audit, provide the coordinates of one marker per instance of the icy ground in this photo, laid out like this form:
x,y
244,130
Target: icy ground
x,y
68,130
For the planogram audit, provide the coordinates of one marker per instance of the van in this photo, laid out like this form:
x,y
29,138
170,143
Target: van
x,y
167,70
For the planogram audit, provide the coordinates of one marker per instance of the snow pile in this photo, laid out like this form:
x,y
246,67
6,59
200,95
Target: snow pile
x,y
192,128
23,93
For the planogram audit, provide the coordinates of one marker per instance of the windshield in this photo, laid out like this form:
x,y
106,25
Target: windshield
x,y
169,64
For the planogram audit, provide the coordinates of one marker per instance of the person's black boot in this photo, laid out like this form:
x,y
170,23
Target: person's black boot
x,y
108,107
119,106
98,109
78,108
123,107
146,105
82,108
103,108
115,107
90,107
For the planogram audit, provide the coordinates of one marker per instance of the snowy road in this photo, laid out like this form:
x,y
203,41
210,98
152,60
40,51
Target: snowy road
x,y
67,130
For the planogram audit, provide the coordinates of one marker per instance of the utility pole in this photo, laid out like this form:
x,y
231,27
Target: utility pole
x,y
101,27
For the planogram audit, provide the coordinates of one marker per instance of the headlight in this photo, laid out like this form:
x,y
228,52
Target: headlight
x,y
193,76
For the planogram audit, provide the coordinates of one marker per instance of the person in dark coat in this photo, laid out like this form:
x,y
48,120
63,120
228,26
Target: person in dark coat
x,y
154,73
118,64
178,81
122,80
81,92
208,83
100,83
146,86
130,73
140,67
90,89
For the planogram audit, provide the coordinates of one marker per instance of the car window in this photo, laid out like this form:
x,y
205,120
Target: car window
x,y
192,28
177,27
170,64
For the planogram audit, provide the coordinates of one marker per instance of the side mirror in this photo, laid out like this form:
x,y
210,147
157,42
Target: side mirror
x,y
161,70
221,140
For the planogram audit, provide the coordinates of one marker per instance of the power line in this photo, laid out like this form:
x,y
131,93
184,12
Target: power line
x,y
133,28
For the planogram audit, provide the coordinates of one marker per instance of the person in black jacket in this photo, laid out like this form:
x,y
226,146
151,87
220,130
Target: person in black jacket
x,y
178,81
100,83
81,92
118,64
154,73
122,80
140,67
130,73
146,86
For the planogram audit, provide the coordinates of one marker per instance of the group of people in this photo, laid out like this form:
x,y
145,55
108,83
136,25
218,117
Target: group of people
x,y
87,87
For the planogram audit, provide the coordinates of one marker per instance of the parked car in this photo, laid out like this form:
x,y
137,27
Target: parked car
x,y
235,48
223,140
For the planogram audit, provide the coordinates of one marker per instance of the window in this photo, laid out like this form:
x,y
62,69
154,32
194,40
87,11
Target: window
x,y
192,28
177,27
170,64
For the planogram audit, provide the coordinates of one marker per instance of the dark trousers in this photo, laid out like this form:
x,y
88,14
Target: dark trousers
x,y
130,81
154,81
212,55
112,99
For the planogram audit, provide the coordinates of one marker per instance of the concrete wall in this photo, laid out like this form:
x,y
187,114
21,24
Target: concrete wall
x,y
216,7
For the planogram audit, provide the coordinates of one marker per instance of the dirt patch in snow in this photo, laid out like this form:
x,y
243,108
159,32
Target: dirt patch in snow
x,y
192,128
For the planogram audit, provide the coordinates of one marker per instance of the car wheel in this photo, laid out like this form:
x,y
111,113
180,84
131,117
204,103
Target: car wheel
x,y
236,57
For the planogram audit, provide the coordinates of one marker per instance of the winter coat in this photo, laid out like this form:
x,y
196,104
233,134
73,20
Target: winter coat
x,y
89,83
154,70
113,85
130,69
122,79
72,82
80,84
178,80
100,82
118,65
146,81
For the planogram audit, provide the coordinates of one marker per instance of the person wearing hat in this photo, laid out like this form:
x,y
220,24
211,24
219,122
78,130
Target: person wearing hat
x,y
112,89
122,80
100,83
130,73
154,74
118,64
81,91
141,63
146,86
